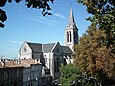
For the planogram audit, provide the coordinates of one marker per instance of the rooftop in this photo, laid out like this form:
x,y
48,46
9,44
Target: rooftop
x,y
19,63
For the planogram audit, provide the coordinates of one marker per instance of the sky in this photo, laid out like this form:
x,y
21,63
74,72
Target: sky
x,y
28,24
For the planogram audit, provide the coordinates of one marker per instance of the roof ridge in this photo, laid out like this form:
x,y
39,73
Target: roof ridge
x,y
47,47
50,43
33,43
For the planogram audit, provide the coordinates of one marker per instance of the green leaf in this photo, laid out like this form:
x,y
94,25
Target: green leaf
x,y
2,2
17,1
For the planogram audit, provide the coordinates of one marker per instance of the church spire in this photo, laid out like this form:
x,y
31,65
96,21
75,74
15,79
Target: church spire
x,y
71,17
71,32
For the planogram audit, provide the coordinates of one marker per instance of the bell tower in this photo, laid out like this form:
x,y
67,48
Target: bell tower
x,y
71,32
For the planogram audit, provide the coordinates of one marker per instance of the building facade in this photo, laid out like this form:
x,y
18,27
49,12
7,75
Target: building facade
x,y
32,72
10,75
52,55
21,73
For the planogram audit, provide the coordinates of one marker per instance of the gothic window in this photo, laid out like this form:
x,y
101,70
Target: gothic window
x,y
58,65
67,37
70,35
55,66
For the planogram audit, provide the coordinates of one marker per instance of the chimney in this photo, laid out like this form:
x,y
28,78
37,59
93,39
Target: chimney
x,y
17,62
36,61
3,62
14,62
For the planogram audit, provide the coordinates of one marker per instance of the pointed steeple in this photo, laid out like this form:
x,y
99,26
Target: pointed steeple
x,y
71,32
71,18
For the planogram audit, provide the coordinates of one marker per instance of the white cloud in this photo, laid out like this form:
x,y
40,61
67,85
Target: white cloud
x,y
47,20
51,21
59,15
16,42
41,20
32,18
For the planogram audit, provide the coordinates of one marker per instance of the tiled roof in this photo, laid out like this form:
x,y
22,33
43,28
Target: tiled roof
x,y
21,63
66,49
48,47
10,64
36,47
30,61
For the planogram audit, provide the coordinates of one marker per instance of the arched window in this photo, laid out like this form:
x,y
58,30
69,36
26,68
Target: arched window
x,y
58,64
67,37
70,35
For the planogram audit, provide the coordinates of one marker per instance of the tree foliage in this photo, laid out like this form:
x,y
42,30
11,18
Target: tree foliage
x,y
72,76
92,55
103,15
95,53
69,73
38,4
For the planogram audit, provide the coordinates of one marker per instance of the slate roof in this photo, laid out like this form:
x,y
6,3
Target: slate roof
x,y
48,47
36,47
45,48
66,49
71,17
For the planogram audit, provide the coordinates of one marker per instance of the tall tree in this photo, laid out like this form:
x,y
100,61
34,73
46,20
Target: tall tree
x,y
95,53
93,57
38,4
103,15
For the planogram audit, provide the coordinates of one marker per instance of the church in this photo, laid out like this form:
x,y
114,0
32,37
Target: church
x,y
52,55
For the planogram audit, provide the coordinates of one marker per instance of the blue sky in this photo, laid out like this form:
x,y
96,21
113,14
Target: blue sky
x,y
25,24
